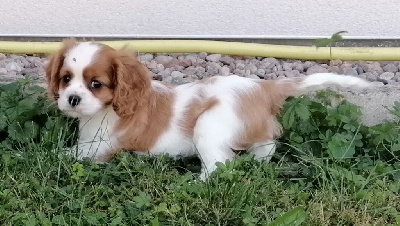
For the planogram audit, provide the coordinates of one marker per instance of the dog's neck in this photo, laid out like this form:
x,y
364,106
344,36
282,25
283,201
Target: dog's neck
x,y
99,126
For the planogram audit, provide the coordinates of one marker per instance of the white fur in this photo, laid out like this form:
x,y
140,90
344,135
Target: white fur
x,y
263,150
215,131
95,134
323,80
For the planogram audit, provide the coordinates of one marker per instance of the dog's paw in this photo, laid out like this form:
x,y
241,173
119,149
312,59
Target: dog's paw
x,y
69,151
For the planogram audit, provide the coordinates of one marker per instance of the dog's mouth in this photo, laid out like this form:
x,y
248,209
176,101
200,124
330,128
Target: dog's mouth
x,y
72,112
78,112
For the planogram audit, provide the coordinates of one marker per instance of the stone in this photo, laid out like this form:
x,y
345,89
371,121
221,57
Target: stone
x,y
397,77
13,66
385,82
185,63
240,66
270,76
387,76
213,68
308,64
239,72
175,55
280,74
192,57
226,60
316,69
213,57
260,72
162,59
190,70
298,66
335,62
29,71
391,68
253,76
199,62
345,66
252,68
159,68
270,60
3,56
151,65
188,80
177,74
38,64
349,71
180,68
202,75
158,77
369,76
374,66
268,63
393,83
3,71
334,69
359,70
247,72
287,66
172,63
146,57
167,79
202,55
224,71
24,63
253,61
292,74
324,66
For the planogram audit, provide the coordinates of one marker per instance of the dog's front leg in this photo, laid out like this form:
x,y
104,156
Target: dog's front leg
x,y
98,151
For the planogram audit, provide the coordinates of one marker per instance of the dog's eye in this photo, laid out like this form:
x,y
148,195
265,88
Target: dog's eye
x,y
66,78
95,84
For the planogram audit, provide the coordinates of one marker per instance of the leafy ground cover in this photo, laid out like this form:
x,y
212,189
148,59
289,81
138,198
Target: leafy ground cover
x,y
329,170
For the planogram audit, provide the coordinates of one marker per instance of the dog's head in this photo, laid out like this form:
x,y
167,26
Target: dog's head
x,y
86,77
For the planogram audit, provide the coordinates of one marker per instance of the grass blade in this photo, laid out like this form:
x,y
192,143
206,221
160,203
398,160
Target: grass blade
x,y
292,217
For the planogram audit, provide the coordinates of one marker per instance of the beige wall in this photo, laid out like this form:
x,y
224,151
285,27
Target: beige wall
x,y
201,18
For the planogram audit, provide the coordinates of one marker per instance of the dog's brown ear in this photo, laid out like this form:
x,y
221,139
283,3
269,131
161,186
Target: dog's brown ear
x,y
53,66
132,84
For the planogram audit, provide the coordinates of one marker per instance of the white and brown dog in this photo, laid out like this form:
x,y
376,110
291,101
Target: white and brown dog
x,y
120,107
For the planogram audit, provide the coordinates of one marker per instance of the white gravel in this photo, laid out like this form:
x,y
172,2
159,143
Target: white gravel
x,y
178,68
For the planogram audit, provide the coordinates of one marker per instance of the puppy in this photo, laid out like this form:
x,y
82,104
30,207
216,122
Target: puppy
x,y
120,107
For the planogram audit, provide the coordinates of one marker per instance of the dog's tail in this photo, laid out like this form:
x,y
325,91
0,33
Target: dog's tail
x,y
277,91
319,81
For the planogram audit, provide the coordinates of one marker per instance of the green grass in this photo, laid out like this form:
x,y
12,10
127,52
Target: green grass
x,y
327,164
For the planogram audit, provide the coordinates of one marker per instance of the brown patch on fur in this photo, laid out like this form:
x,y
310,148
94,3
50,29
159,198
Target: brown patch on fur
x,y
145,112
259,108
149,122
193,111
101,70
132,84
53,67
197,106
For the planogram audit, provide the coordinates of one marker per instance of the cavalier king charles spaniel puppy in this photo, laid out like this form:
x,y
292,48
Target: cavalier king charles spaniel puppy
x,y
120,107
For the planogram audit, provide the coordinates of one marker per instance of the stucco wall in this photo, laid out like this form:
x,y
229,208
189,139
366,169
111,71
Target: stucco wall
x,y
201,18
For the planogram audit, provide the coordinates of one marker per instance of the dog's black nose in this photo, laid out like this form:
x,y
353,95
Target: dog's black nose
x,y
74,100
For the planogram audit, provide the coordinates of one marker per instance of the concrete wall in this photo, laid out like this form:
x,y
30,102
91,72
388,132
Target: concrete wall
x,y
201,18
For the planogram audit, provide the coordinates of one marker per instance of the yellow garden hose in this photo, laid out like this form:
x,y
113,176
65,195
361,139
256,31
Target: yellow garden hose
x,y
223,47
